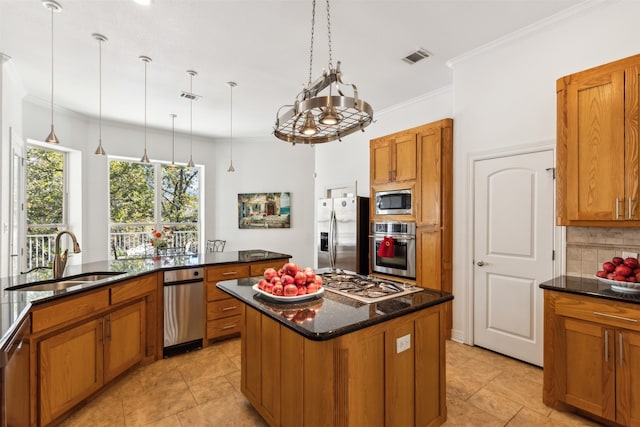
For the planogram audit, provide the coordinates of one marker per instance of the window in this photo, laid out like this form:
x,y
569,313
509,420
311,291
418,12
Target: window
x,y
45,203
147,196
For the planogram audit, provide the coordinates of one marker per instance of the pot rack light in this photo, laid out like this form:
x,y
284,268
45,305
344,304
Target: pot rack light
x,y
54,7
146,60
101,39
318,114
231,86
191,73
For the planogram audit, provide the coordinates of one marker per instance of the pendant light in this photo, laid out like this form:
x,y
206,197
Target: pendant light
x,y
231,86
53,6
191,73
146,60
101,39
313,118
173,139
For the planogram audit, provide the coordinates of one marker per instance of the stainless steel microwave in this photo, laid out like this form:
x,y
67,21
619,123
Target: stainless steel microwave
x,y
394,202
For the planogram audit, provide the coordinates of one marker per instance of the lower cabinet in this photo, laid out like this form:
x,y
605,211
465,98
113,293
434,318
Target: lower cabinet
x,y
592,357
75,363
358,379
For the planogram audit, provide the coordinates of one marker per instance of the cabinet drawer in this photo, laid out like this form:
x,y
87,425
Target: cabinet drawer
x,y
70,309
215,294
611,313
227,272
223,308
133,289
223,327
258,268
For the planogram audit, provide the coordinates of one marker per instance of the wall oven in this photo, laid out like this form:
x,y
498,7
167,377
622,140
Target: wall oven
x,y
394,202
401,259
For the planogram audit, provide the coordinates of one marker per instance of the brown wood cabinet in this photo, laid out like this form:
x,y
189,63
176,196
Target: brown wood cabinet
x,y
393,158
75,363
356,379
592,357
222,310
598,162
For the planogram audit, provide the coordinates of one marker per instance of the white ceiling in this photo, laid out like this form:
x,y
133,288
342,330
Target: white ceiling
x,y
263,45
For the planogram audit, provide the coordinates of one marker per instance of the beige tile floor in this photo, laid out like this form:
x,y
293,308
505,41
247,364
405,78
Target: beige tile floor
x,y
203,389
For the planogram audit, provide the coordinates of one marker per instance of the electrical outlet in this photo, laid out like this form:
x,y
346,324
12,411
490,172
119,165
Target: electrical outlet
x,y
403,343
629,254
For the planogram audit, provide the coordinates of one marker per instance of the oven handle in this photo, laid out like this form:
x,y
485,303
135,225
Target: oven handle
x,y
399,237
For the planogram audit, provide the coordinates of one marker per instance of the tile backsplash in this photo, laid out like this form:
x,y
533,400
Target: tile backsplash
x,y
589,247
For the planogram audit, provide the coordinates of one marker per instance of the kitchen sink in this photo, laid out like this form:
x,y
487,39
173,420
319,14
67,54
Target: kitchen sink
x,y
65,282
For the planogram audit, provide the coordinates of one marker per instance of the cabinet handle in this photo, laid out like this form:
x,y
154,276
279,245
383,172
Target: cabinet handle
x,y
612,316
606,346
229,273
621,350
630,208
233,307
617,207
229,326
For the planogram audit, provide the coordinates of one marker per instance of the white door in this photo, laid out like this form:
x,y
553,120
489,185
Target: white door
x,y
513,252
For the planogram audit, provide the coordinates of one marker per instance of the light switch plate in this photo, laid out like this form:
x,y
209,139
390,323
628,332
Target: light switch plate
x,y
403,343
629,255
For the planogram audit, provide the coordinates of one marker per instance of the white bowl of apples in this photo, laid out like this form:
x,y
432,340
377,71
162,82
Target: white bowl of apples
x,y
290,283
621,274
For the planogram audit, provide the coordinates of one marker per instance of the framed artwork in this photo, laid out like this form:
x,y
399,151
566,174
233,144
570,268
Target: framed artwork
x,y
264,210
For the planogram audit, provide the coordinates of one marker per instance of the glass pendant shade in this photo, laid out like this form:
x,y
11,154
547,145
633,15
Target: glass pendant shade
x,y
309,127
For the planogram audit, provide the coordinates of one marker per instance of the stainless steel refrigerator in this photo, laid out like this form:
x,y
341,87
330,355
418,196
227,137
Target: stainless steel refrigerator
x,y
343,226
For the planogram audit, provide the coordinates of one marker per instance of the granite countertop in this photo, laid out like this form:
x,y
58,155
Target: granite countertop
x,y
331,315
589,287
15,304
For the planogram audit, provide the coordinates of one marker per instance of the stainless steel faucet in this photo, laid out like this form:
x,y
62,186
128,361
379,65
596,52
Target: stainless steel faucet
x,y
60,261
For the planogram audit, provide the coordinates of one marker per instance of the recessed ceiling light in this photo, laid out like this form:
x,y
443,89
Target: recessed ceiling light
x,y
143,2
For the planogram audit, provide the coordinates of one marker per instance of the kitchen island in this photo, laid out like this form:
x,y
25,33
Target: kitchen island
x,y
332,360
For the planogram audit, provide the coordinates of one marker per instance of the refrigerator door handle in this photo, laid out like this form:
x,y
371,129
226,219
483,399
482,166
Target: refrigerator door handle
x,y
332,240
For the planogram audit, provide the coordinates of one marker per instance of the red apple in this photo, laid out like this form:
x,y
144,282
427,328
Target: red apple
x,y
636,270
281,272
602,274
278,289
637,277
270,273
611,276
291,269
631,262
311,275
620,278
302,290
261,284
276,280
290,290
268,287
617,260
608,267
632,279
312,288
623,270
300,278
287,280
319,281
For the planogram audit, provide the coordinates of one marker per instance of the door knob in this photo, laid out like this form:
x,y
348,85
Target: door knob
x,y
480,263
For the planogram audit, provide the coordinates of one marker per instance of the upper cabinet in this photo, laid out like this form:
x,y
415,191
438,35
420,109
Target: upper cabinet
x,y
393,158
597,148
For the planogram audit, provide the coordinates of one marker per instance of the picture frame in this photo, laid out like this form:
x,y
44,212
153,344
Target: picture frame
x,y
264,210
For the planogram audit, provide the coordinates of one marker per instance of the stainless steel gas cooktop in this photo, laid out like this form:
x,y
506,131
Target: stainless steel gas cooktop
x,y
366,289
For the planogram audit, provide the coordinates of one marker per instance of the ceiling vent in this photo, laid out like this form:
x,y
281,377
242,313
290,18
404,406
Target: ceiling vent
x,y
190,96
416,56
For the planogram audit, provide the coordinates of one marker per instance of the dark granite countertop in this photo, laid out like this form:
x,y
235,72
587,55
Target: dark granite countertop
x,y
331,315
589,287
15,304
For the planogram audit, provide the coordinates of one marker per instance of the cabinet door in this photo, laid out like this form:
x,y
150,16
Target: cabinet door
x,y
124,340
595,147
632,142
70,369
628,378
588,365
430,177
428,258
381,169
405,158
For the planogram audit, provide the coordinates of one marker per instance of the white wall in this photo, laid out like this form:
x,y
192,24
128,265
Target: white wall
x,y
505,97
261,165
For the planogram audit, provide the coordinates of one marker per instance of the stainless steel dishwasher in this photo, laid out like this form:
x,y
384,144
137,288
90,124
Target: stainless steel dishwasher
x,y
183,310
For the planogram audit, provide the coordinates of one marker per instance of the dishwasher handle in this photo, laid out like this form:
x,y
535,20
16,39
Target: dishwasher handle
x,y
183,282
